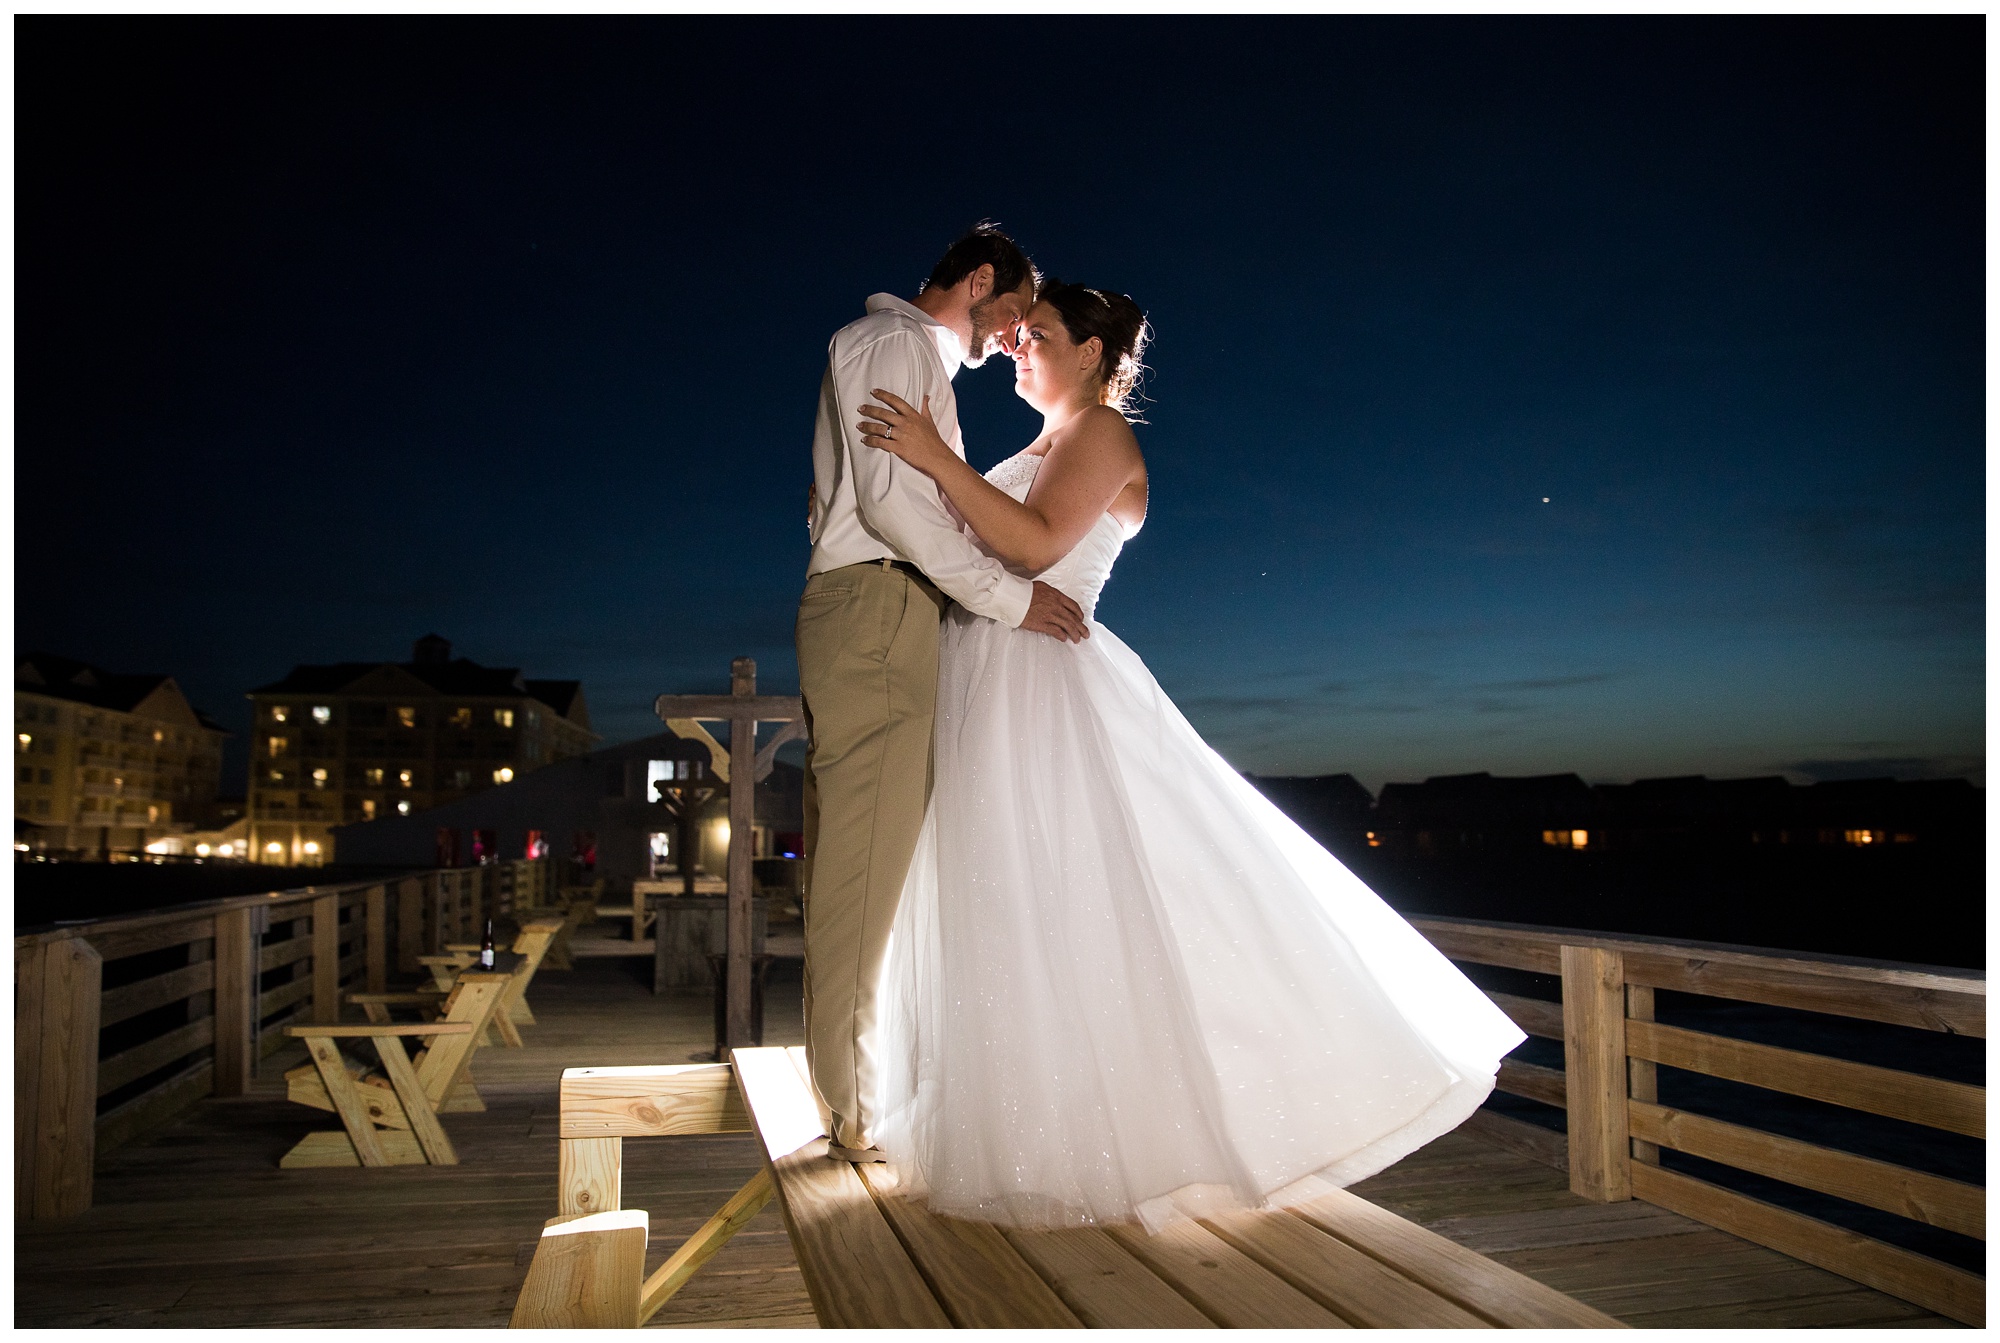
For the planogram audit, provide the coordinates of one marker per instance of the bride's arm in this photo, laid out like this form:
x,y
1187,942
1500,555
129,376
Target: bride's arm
x,y
1094,458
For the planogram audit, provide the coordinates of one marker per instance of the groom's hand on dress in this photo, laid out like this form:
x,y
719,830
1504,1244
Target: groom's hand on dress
x,y
1051,612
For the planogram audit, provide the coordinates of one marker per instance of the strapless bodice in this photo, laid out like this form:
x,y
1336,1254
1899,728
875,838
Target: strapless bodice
x,y
1083,572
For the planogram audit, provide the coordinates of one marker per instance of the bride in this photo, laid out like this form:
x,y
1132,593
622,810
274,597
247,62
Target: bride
x,y
1123,986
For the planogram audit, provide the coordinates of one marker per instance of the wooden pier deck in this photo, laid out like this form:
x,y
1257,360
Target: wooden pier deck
x,y
195,1226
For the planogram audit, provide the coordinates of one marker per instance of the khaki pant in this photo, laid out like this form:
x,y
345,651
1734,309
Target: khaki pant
x,y
868,666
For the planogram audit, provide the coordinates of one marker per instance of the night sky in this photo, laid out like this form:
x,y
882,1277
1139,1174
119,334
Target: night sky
x,y
1528,395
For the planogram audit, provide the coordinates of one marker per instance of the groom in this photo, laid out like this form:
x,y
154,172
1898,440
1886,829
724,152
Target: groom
x,y
886,560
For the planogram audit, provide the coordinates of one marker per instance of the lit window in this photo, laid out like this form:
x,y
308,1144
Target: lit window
x,y
201,850
319,778
312,846
1373,842
406,777
118,784
279,713
504,774
402,808
532,720
27,740
159,735
1864,837
406,716
1566,839
274,847
367,808
152,815
504,717
278,745
1579,839
322,714
461,717
277,776
375,777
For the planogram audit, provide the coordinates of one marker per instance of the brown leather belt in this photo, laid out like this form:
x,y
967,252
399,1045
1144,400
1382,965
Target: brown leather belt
x,y
907,567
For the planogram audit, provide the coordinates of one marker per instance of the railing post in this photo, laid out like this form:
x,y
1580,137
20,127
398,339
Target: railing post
x,y
65,1110
1643,1074
235,1000
326,959
409,924
377,935
30,973
1593,985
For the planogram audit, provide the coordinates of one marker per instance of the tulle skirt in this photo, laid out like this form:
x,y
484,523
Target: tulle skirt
x,y
1124,987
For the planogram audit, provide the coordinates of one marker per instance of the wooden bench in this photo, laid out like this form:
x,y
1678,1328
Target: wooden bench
x,y
391,1119
871,1258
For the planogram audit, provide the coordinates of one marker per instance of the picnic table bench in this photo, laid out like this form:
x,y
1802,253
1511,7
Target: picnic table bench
x,y
872,1258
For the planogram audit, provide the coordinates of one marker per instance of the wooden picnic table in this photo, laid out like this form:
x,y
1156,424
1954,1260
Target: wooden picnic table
x,y
872,1258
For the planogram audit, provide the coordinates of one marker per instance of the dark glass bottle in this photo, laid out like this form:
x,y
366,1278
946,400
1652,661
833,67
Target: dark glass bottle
x,y
486,948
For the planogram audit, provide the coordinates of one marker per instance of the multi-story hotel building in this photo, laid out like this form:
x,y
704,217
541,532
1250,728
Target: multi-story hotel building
x,y
106,764
355,741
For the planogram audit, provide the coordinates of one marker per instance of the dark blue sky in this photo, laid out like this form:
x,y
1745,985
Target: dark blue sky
x,y
331,333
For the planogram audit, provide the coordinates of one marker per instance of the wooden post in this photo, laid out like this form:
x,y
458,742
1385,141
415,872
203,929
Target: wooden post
x,y
66,1084
1593,981
326,959
30,973
1643,1074
742,833
409,924
377,913
235,1001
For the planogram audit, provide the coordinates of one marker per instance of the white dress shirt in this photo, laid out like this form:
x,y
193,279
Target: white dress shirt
x,y
868,504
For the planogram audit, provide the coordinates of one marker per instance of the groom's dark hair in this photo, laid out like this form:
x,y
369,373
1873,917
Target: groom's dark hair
x,y
984,245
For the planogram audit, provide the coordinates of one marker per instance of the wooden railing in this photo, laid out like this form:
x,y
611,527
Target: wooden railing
x,y
1608,1088
122,1023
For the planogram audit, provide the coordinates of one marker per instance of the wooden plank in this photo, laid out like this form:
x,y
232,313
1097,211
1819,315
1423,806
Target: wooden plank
x,y
1954,1106
287,952
1878,1184
284,995
235,986
1464,942
977,1277
430,1135
30,965
589,1174
1532,1080
1224,1283
145,995
375,1030
1642,1076
1547,1146
767,708
1357,1287
1593,1011
66,1092
705,1243
340,1089
1489,1290
648,1101
1525,939
742,825
1105,1287
586,1274
115,944
1536,1016
333,1147
1887,1268
855,1270
155,1107
409,923
156,1053
1931,1009
375,915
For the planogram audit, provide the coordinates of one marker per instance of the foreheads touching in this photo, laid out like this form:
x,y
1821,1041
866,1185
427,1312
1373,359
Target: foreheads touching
x,y
1081,341
982,286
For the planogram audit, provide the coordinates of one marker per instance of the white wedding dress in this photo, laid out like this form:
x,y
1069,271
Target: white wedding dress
x,y
1122,985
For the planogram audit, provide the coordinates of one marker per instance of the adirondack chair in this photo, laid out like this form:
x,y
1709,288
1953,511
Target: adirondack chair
x,y
390,1118
531,944
872,1258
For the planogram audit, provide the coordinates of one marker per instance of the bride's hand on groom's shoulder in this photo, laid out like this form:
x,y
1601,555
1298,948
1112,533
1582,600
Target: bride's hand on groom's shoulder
x,y
906,431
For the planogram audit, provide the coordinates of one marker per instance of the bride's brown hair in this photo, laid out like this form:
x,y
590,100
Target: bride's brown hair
x,y
1118,323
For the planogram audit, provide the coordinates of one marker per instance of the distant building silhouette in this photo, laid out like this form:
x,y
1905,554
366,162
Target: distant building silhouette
x,y
1331,807
364,741
107,763
599,809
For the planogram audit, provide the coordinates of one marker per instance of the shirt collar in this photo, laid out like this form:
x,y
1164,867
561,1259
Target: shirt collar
x,y
949,347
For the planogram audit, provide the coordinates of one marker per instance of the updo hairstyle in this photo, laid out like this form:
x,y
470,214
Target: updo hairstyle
x,y
1116,322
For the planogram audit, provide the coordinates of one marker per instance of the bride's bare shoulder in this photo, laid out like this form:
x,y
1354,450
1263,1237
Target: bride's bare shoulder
x,y
1101,430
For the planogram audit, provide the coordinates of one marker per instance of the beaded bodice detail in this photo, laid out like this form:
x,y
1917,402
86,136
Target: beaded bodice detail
x,y
1083,572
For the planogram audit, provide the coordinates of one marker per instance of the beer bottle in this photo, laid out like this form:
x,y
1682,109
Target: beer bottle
x,y
486,948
